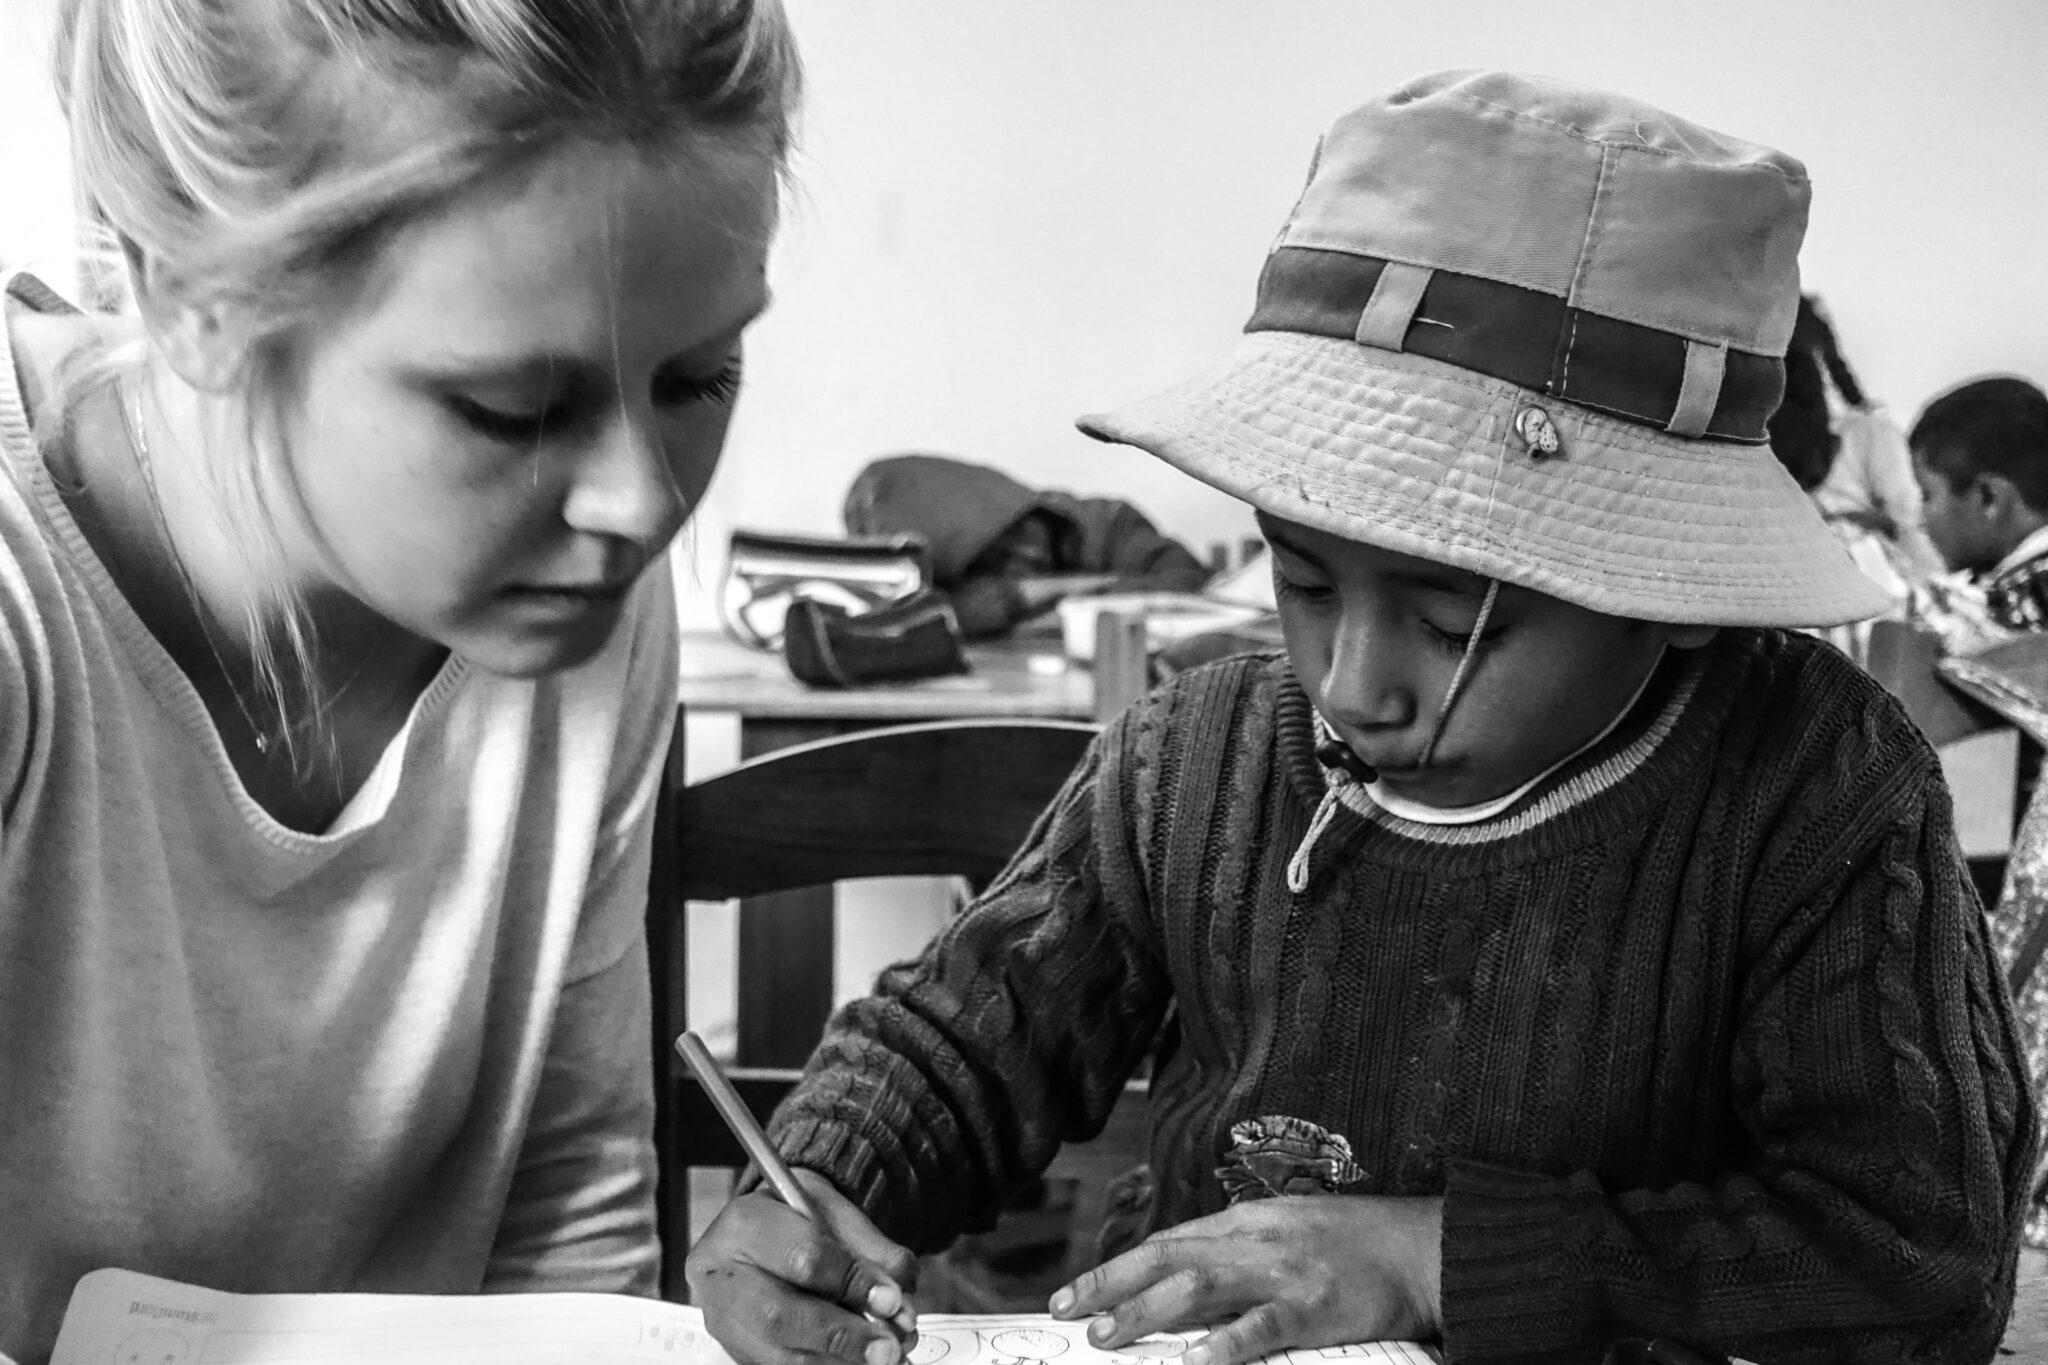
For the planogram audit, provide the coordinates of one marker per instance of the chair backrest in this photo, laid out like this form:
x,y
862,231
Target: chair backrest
x,y
944,798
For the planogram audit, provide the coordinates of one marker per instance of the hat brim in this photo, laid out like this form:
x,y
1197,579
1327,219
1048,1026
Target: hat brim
x,y
1423,458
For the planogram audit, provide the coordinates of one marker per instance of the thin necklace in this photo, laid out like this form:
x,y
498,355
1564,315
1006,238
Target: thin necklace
x,y
139,434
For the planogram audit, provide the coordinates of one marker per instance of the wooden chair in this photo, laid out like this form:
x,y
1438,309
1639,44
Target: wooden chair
x,y
945,798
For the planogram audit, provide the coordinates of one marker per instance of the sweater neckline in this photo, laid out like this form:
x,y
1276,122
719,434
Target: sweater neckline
x,y
1610,787
152,662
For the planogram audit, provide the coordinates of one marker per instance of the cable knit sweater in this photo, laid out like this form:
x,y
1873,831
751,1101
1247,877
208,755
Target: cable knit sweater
x,y
1702,1039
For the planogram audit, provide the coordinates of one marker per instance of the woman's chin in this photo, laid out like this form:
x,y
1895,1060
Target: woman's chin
x,y
527,655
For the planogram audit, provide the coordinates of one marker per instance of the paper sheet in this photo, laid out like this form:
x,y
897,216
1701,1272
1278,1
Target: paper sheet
x,y
118,1317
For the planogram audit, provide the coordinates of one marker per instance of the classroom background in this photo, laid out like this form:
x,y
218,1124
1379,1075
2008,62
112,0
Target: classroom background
x,y
1009,212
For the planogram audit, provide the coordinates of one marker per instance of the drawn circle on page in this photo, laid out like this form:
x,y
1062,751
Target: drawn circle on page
x,y
929,1349
153,1346
1028,1343
1160,1346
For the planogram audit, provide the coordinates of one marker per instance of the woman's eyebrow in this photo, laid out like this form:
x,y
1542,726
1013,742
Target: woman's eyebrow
x,y
540,368
546,367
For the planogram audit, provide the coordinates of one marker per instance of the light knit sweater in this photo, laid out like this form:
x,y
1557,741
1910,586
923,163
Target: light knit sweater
x,y
409,1053
1702,1039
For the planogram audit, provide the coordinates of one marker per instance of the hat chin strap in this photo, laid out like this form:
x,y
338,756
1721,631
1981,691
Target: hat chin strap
x,y
1443,708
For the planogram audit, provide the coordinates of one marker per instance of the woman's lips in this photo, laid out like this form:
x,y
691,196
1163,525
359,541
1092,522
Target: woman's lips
x,y
567,599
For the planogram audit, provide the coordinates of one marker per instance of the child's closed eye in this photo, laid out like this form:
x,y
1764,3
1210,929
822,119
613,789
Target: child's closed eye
x,y
1457,642
1303,592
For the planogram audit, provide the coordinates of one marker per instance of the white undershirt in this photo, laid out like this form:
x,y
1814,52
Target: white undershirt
x,y
1486,810
2033,547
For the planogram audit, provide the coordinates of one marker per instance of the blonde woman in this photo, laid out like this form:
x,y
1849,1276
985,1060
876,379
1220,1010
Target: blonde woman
x,y
336,653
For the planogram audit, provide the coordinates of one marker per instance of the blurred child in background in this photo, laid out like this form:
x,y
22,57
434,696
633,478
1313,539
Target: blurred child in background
x,y
1854,463
1980,453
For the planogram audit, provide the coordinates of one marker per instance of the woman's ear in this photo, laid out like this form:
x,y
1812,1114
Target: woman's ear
x,y
195,336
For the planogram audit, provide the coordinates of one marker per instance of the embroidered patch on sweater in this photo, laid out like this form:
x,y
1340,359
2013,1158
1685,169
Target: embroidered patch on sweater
x,y
1280,1154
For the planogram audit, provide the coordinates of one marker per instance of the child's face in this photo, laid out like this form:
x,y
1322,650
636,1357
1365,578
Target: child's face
x,y
1375,637
1955,520
508,427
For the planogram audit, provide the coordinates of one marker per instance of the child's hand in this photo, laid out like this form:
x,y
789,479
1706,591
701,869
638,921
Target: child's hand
x,y
1299,1270
775,1287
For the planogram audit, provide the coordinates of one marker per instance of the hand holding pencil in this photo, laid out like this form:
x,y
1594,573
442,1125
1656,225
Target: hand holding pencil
x,y
802,1273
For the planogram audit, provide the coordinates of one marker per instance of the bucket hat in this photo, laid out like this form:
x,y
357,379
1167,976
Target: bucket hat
x,y
1534,331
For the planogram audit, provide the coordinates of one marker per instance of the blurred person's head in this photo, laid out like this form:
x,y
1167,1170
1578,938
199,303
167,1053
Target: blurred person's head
x,y
1802,434
1980,454
1814,334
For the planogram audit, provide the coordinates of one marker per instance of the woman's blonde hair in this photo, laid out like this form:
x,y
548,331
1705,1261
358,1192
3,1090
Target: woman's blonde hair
x,y
258,152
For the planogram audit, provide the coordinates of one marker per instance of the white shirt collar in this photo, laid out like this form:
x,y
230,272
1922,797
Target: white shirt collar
x,y
2033,547
1486,810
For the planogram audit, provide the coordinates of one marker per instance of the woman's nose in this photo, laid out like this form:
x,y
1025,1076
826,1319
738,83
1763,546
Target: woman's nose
x,y
625,488
1365,684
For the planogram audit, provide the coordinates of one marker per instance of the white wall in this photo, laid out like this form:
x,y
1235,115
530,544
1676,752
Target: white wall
x,y
35,193
1015,211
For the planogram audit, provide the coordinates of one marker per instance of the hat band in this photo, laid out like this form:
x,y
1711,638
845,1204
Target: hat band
x,y
1526,337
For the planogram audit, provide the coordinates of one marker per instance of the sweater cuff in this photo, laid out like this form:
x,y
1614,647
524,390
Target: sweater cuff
x,y
1508,1236
840,1154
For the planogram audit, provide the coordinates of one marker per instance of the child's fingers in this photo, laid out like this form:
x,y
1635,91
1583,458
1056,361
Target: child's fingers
x,y
1266,1330
1192,1291
895,1263
822,1265
1116,1280
765,1323
864,1240
1113,1286
777,1288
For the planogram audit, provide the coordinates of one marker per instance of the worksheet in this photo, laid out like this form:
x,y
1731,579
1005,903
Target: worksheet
x,y
117,1317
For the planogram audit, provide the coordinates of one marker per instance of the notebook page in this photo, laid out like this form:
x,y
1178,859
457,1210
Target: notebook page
x,y
117,1317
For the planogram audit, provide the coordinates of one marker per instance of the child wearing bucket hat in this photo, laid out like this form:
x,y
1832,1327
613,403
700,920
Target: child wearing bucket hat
x,y
1601,944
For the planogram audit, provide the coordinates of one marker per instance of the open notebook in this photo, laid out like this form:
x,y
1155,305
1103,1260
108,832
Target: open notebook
x,y
117,1317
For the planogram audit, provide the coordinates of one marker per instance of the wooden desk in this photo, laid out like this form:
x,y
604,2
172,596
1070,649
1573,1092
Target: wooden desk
x,y
1026,675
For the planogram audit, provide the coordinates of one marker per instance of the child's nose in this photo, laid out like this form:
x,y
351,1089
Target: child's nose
x,y
1365,683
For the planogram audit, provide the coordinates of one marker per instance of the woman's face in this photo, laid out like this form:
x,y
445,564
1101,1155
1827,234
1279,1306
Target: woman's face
x,y
528,399
1375,637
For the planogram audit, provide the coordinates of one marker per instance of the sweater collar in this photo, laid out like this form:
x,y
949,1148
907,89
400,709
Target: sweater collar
x,y
1663,708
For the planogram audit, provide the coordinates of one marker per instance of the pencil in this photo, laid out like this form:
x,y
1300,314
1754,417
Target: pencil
x,y
748,1130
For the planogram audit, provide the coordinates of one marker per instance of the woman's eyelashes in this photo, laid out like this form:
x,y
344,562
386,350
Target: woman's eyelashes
x,y
681,388
671,390
497,424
